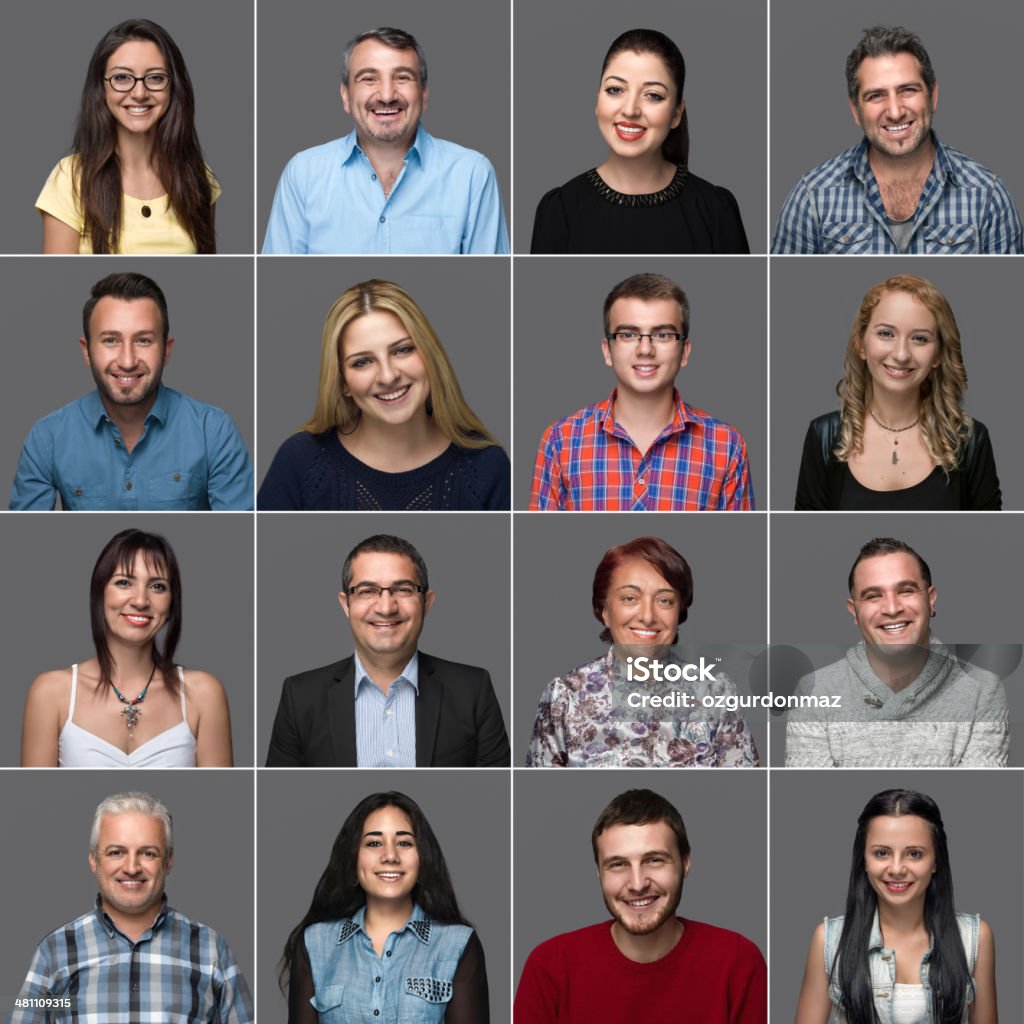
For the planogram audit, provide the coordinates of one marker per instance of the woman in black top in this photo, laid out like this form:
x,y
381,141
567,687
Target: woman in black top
x,y
901,439
643,198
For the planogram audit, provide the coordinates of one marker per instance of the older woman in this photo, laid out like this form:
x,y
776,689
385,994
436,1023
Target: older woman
x,y
391,429
642,198
130,706
641,594
384,939
901,439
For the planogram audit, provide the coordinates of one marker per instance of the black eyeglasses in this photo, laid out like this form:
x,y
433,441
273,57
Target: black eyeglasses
x,y
155,81
657,337
399,591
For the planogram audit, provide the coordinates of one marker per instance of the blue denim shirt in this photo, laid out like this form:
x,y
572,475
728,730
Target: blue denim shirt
x,y
410,983
190,456
882,963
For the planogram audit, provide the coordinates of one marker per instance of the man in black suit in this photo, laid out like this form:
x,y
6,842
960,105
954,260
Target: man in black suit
x,y
389,705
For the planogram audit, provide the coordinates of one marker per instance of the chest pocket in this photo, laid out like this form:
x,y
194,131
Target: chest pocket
x,y
327,1001
425,998
180,490
949,238
846,237
425,234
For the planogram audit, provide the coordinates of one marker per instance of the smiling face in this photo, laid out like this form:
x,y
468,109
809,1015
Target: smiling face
x,y
645,368
137,601
901,345
383,93
637,104
641,875
131,864
389,863
382,370
140,109
891,603
899,858
894,106
641,608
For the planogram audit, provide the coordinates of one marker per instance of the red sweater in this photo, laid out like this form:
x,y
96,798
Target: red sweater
x,y
712,976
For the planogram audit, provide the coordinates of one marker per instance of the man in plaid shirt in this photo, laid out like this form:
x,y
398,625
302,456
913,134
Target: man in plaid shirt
x,y
643,448
132,958
899,189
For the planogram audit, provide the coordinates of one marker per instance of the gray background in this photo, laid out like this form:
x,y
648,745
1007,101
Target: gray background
x,y
559,367
559,49
814,303
726,817
812,832
43,84
555,628
473,830
47,865
974,55
45,603
468,304
299,52
302,626
210,306
975,563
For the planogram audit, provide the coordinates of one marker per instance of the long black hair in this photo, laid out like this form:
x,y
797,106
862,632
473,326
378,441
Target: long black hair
x,y
948,973
338,894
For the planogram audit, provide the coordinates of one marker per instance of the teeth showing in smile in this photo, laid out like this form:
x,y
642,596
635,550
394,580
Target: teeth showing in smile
x,y
139,110
387,111
897,127
138,620
630,129
898,371
392,396
895,627
645,634
897,886
641,903
389,876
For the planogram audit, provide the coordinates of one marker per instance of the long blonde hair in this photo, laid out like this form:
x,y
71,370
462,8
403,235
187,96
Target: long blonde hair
x,y
448,408
945,426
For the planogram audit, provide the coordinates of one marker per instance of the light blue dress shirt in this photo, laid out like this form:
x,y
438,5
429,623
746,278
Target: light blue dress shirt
x,y
445,201
386,726
190,456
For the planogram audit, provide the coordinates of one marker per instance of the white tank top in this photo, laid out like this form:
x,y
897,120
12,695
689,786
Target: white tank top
x,y
909,1004
79,748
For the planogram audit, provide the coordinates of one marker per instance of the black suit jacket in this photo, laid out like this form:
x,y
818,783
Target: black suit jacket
x,y
458,720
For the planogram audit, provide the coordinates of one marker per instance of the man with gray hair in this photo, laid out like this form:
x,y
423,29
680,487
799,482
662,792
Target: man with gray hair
x,y
132,958
389,186
899,190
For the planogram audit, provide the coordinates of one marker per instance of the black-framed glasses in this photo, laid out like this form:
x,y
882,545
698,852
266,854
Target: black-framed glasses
x,y
155,81
399,591
635,337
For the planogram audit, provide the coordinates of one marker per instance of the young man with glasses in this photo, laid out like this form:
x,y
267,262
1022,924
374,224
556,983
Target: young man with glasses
x,y
643,448
389,705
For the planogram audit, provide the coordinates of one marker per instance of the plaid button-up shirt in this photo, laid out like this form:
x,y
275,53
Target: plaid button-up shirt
x,y
587,461
178,972
838,208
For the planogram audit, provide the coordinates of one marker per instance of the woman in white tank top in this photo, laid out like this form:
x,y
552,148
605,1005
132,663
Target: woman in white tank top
x,y
130,706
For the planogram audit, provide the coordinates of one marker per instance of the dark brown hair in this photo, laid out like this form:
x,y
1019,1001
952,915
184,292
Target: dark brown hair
x,y
641,807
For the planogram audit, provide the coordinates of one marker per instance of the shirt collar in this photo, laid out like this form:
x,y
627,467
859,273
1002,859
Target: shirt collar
x,y
680,414
411,673
419,924
107,923
420,147
96,411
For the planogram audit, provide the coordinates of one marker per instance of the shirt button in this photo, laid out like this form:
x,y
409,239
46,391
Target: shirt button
x,y
117,441
377,979
376,1013
390,753
387,714
78,492
382,220
177,477
388,953
641,483
373,177
128,486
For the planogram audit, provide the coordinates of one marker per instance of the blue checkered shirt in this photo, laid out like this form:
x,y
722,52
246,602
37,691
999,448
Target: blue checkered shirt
x,y
178,972
837,208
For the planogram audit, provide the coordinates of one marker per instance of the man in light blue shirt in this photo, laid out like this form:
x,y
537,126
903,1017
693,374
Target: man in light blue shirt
x,y
389,186
133,443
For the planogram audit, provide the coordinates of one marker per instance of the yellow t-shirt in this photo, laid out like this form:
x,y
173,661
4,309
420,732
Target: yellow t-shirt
x,y
148,226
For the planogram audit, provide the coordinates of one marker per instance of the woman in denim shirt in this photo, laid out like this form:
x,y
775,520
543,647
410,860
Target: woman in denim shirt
x,y
383,939
901,954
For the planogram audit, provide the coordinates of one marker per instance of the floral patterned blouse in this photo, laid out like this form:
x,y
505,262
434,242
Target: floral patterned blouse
x,y
584,721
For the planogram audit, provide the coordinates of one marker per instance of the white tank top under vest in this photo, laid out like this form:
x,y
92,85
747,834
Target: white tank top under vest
x,y
909,1004
79,748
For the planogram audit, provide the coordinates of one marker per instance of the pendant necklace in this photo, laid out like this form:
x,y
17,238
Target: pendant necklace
x,y
894,430
131,710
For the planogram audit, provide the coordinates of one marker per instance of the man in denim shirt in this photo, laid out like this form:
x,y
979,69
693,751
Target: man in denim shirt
x,y
133,443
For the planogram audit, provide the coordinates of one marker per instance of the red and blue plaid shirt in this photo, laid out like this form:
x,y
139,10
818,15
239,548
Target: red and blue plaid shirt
x,y
588,462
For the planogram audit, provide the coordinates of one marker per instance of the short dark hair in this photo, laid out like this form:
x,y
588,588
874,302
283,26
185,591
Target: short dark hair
x,y
641,807
889,546
647,287
384,544
396,38
662,556
128,287
886,41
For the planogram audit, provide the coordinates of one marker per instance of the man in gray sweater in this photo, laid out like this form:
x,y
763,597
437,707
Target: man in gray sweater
x,y
905,700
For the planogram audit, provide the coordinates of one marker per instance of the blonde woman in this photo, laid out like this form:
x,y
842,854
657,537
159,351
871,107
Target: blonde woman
x,y
901,439
391,429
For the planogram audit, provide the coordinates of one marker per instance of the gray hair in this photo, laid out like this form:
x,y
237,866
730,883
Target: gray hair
x,y
133,803
396,38
884,41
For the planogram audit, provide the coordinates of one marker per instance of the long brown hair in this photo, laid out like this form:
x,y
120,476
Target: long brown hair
x,y
177,155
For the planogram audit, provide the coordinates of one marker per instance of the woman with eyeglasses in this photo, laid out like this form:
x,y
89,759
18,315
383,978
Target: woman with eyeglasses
x,y
135,181
391,429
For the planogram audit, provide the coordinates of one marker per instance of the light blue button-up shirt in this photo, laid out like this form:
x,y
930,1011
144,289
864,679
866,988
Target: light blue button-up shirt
x,y
445,201
190,456
386,726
